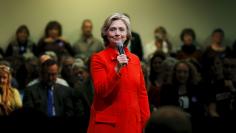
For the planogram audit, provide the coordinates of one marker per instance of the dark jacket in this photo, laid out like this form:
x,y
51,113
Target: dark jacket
x,y
36,98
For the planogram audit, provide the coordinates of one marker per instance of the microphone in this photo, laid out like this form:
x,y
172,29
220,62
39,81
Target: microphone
x,y
120,48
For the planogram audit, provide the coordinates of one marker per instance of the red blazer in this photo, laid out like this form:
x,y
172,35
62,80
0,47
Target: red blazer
x,y
120,99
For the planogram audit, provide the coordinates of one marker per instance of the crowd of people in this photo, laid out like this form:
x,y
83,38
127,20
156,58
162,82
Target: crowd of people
x,y
200,81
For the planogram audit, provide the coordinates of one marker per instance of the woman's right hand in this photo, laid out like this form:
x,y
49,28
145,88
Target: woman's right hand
x,y
122,61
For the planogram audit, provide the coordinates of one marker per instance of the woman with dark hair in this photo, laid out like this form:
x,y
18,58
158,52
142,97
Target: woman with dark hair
x,y
216,47
183,89
120,99
155,79
53,41
21,45
188,49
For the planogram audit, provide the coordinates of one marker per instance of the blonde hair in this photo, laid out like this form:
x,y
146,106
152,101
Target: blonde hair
x,y
7,94
108,22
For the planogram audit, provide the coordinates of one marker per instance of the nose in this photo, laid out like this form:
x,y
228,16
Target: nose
x,y
117,32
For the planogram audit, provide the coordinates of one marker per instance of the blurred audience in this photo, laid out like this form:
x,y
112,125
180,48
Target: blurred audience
x,y
87,43
21,45
54,41
160,43
189,48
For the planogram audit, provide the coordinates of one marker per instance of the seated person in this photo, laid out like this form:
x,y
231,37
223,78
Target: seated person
x,y
10,99
53,41
21,45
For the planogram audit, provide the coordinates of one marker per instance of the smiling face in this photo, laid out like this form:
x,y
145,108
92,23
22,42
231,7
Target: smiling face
x,y
117,32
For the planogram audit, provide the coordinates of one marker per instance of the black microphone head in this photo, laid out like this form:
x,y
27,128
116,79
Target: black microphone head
x,y
120,47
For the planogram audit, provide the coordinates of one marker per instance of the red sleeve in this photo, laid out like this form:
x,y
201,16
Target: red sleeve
x,y
143,101
104,81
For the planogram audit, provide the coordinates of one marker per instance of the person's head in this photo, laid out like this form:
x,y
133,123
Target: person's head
x,y
168,119
87,27
22,33
184,73
156,61
52,55
53,29
5,77
116,29
212,68
80,70
43,58
217,36
49,72
160,33
47,55
167,68
156,65
188,36
67,62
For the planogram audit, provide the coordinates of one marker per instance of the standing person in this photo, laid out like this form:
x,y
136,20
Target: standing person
x,y
120,99
10,99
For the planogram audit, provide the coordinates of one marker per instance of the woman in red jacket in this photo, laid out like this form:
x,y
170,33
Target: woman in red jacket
x,y
120,99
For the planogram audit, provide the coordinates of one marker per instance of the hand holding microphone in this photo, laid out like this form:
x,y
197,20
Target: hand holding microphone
x,y
121,58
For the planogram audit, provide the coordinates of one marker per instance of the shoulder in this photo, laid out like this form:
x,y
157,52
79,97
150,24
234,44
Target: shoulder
x,y
14,91
62,86
101,54
98,58
64,90
97,40
34,87
32,82
62,82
